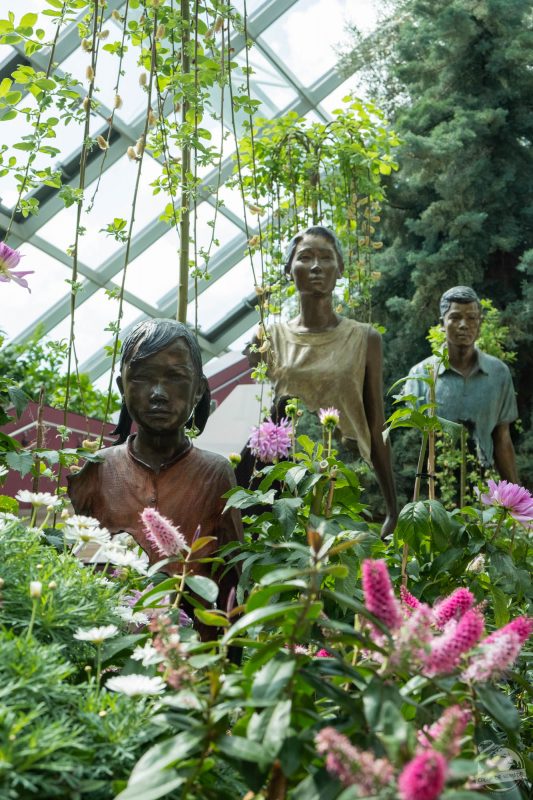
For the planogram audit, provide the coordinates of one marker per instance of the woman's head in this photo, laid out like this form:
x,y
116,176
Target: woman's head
x,y
161,378
319,231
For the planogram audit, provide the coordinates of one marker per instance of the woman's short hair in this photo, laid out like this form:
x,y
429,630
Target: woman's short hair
x,y
149,337
314,230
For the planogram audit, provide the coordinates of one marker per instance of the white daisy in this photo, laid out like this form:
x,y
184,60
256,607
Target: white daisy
x,y
6,520
124,539
134,685
38,498
86,535
147,655
122,558
127,614
96,635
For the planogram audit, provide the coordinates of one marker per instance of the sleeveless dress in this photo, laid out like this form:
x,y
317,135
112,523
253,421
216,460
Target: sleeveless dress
x,y
324,369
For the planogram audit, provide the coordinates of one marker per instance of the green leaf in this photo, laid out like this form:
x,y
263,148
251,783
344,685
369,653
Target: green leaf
x,y
28,21
244,749
272,679
260,616
152,786
19,398
8,505
203,587
21,462
212,618
277,728
286,512
500,606
112,647
164,755
413,523
499,706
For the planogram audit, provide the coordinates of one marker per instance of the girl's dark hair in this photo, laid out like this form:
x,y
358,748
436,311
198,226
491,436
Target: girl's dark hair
x,y
315,230
150,337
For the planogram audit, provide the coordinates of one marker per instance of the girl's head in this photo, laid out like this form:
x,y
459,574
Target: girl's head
x,y
161,378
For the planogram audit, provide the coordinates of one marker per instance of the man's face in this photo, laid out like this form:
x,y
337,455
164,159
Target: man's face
x,y
161,390
315,266
461,324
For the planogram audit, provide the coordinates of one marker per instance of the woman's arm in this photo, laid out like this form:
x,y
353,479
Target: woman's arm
x,y
380,453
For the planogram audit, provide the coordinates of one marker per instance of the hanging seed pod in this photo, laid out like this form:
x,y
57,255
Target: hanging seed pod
x,y
102,143
132,155
86,45
160,32
117,103
152,119
86,104
89,73
139,146
143,79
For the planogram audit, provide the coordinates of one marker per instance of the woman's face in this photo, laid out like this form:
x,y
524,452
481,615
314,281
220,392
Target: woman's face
x,y
162,389
315,267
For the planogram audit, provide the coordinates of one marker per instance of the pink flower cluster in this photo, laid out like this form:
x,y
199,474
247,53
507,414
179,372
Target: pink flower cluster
x,y
516,500
422,778
269,442
162,535
439,640
352,766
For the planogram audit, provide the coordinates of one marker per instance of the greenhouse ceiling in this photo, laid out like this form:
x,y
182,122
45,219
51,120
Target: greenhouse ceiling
x,y
293,68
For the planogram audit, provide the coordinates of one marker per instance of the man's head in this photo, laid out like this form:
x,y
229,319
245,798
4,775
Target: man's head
x,y
460,316
161,378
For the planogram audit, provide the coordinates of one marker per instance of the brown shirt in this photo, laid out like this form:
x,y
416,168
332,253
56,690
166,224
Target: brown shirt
x,y
187,490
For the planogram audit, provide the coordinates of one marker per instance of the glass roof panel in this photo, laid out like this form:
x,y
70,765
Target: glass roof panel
x,y
225,293
90,320
95,246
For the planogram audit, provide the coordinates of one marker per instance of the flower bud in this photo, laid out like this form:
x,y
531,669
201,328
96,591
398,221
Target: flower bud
x,y
89,73
52,585
234,458
160,32
132,155
86,45
117,102
91,444
86,104
36,589
143,79
314,540
102,143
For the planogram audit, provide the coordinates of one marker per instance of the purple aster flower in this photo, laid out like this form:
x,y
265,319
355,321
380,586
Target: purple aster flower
x,y
269,441
516,500
9,259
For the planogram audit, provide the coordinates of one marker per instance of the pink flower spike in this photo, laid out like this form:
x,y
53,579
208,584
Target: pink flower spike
x,y
408,599
9,259
521,626
164,537
352,766
269,441
515,499
445,734
458,638
493,658
424,777
379,597
454,606
323,653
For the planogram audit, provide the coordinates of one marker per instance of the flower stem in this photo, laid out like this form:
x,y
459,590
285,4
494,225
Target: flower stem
x,y
32,618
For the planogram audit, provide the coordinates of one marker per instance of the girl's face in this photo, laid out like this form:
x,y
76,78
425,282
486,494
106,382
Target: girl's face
x,y
315,267
161,390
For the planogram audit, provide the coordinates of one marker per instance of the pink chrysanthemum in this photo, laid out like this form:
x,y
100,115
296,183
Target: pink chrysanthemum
x,y
424,777
165,538
329,417
458,638
409,601
454,606
9,259
353,767
517,501
379,597
269,441
445,734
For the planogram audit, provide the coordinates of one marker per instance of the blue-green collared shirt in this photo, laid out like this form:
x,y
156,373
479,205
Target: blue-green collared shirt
x,y
482,400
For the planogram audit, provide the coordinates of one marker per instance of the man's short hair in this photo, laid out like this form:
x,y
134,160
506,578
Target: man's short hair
x,y
458,294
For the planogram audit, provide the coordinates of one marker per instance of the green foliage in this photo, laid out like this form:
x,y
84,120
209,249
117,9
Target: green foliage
x,y
35,364
455,80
